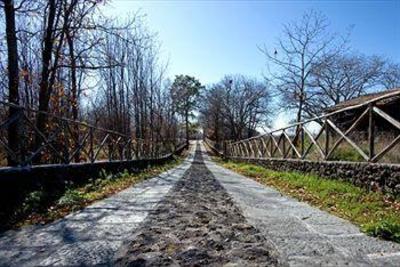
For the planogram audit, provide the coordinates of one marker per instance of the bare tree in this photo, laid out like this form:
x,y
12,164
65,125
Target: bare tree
x,y
234,108
88,67
340,78
47,53
14,129
212,116
390,77
304,42
132,98
62,20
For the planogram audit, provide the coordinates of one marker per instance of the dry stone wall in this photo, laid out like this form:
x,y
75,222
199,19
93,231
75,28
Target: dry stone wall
x,y
373,176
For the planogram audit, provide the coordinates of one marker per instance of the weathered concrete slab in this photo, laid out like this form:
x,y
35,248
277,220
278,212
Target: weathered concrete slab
x,y
307,236
90,236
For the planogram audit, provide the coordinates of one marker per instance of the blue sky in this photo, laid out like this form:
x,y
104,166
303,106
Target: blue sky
x,y
209,39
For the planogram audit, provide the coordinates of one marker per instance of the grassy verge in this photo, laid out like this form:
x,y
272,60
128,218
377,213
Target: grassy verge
x,y
40,207
375,213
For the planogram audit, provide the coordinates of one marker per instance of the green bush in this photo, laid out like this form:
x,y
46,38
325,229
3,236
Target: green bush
x,y
71,197
32,201
125,174
385,229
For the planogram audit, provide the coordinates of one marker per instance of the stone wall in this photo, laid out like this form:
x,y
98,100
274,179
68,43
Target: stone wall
x,y
373,176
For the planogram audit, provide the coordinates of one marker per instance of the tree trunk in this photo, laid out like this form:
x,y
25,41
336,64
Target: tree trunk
x,y
74,86
15,128
44,95
74,93
187,126
298,119
216,130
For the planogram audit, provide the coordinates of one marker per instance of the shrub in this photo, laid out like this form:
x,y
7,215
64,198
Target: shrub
x,y
32,201
385,229
71,197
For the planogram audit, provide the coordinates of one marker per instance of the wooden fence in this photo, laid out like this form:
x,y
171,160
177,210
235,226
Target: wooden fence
x,y
321,138
67,141
216,148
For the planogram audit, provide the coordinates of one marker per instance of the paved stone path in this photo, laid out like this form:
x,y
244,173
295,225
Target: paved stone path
x,y
93,235
197,224
198,213
305,235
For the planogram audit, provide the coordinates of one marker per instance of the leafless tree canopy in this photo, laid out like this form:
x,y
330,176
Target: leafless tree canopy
x,y
342,77
65,58
313,68
235,108
391,75
304,43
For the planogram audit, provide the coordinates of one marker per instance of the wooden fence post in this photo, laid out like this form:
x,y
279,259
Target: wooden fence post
x,y
271,146
371,132
225,149
91,148
283,145
326,152
302,138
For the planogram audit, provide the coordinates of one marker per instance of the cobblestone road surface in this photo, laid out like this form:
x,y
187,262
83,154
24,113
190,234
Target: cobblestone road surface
x,y
197,224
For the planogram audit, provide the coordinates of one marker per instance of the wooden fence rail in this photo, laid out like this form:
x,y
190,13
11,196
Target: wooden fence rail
x,y
298,141
215,147
67,141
